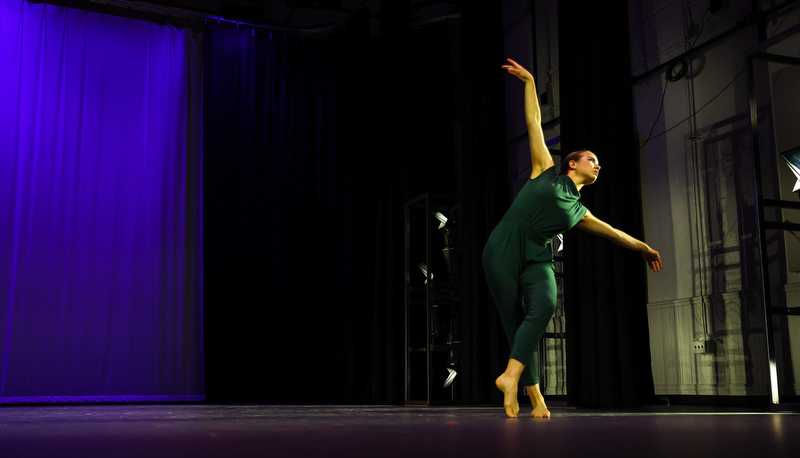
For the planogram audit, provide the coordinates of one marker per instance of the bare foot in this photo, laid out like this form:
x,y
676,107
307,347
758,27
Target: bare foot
x,y
539,408
509,387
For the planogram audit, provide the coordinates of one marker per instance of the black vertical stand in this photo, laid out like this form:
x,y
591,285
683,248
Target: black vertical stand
x,y
433,337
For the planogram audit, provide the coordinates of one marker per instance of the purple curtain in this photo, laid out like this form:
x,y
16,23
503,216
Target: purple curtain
x,y
100,208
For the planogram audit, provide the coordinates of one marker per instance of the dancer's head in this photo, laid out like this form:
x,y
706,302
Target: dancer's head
x,y
582,164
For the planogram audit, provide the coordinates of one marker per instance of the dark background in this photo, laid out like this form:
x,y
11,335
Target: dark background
x,y
304,232
307,169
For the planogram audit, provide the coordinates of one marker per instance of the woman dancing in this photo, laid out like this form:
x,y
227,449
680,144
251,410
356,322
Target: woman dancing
x,y
518,257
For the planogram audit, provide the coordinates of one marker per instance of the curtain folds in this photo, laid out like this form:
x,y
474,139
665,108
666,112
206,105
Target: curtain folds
x,y
311,149
100,194
279,221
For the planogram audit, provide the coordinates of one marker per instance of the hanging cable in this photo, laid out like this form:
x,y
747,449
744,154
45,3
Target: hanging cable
x,y
670,70
672,75
696,111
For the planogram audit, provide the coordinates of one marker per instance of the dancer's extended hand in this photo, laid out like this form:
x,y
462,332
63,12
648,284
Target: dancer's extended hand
x,y
652,258
518,71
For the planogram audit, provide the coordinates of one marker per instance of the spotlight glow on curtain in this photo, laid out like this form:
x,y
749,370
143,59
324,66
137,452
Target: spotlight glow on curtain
x,y
100,208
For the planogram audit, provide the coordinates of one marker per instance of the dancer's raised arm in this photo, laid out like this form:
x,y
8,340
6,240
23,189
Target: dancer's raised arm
x,y
541,159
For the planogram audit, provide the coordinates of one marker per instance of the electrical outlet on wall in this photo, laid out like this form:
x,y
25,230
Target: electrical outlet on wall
x,y
705,344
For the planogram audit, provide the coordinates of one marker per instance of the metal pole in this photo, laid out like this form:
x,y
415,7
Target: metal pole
x,y
428,293
762,239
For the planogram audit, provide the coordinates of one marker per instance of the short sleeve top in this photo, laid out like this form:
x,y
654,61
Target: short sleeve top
x,y
546,206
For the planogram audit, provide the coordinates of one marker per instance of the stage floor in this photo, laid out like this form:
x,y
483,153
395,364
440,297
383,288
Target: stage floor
x,y
197,430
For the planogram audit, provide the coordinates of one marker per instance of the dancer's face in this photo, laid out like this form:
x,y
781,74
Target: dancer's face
x,y
588,167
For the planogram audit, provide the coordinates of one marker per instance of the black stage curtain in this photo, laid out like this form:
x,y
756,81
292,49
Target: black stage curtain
x,y
311,149
276,220
485,191
608,349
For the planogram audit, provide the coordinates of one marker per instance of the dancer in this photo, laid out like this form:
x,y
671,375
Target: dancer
x,y
518,258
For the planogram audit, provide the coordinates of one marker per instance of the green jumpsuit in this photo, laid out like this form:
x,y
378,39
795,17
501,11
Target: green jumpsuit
x,y
518,261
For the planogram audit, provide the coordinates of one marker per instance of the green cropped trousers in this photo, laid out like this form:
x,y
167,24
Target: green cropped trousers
x,y
526,298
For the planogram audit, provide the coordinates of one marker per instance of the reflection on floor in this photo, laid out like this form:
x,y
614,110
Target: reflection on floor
x,y
169,430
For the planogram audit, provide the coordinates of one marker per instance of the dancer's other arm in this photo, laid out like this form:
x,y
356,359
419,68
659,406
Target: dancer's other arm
x,y
593,225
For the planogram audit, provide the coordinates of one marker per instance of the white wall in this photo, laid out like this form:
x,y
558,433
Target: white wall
x,y
699,194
